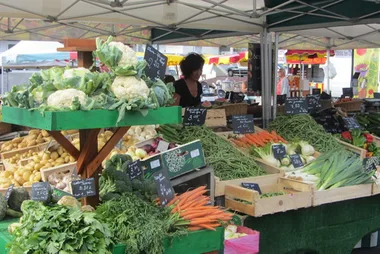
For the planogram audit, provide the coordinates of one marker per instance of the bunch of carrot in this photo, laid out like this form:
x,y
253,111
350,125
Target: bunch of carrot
x,y
257,139
192,207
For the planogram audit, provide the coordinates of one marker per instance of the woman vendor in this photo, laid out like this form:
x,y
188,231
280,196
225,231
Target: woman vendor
x,y
187,89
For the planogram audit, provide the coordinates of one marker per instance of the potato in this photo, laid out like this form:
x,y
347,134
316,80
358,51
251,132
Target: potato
x,y
60,160
46,156
17,140
60,150
26,175
37,166
45,133
67,159
40,140
27,184
32,143
20,180
34,132
54,155
72,159
36,158
59,163
47,165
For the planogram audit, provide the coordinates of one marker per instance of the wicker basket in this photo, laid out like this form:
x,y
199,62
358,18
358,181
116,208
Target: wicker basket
x,y
350,106
234,109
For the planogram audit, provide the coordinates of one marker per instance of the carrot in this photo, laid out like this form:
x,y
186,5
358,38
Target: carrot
x,y
196,222
196,215
190,203
245,140
207,226
252,139
173,200
186,195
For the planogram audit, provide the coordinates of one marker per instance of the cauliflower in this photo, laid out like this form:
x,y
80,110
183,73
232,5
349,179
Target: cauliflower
x,y
64,98
130,88
69,73
69,201
129,57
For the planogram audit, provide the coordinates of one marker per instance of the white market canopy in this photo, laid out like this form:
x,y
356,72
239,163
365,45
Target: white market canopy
x,y
304,24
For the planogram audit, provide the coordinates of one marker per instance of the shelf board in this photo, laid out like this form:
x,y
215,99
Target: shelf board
x,y
74,120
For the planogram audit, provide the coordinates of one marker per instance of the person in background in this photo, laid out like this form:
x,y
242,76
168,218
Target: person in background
x,y
282,84
169,79
188,90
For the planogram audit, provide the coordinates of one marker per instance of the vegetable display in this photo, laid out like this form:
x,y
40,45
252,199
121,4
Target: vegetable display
x,y
227,161
302,148
192,207
337,168
370,122
361,139
58,229
257,139
303,127
142,226
125,88
34,137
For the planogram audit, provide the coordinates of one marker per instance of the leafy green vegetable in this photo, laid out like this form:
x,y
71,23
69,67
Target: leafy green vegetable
x,y
59,229
141,225
18,195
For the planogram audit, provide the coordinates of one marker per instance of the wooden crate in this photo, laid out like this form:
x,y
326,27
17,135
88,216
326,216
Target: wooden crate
x,y
298,195
7,155
376,140
357,150
4,190
340,194
69,168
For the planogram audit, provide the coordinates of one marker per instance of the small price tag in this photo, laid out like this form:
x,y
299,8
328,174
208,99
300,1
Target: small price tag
x,y
242,124
296,105
9,191
155,164
134,169
315,91
83,188
252,186
296,160
194,116
351,123
162,146
40,191
194,153
164,188
370,164
279,151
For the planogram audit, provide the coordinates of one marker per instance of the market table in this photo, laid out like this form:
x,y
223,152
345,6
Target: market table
x,y
327,229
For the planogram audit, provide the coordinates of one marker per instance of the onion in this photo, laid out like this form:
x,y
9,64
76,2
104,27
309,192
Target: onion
x,y
147,148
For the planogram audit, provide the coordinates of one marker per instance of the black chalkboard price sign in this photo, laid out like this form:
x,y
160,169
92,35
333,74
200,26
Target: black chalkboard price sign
x,y
370,164
9,191
296,160
134,169
156,63
165,189
313,102
252,186
194,116
40,191
83,188
279,151
296,105
351,123
242,124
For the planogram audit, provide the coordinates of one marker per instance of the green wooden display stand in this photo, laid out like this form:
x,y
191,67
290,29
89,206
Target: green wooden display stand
x,y
74,120
198,241
328,229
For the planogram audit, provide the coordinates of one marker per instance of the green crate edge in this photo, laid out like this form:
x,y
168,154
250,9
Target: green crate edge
x,y
74,120
199,241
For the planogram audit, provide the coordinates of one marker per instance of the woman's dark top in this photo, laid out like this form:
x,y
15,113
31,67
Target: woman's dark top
x,y
187,99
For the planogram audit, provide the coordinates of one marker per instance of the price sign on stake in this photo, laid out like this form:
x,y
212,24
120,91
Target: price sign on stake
x,y
83,188
162,146
279,151
9,191
296,160
164,188
313,102
40,191
134,169
252,186
242,124
156,63
351,123
297,105
370,164
194,116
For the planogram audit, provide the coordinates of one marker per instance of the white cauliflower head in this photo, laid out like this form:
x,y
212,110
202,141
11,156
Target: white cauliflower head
x,y
129,88
69,73
129,57
64,98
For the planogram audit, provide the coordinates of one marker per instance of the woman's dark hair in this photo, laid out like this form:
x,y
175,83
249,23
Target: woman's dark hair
x,y
169,79
191,63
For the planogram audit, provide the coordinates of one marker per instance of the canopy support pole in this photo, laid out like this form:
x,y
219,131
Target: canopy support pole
x,y
275,76
328,67
266,67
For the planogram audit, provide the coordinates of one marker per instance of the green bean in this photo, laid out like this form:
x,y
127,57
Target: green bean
x,y
227,161
303,127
